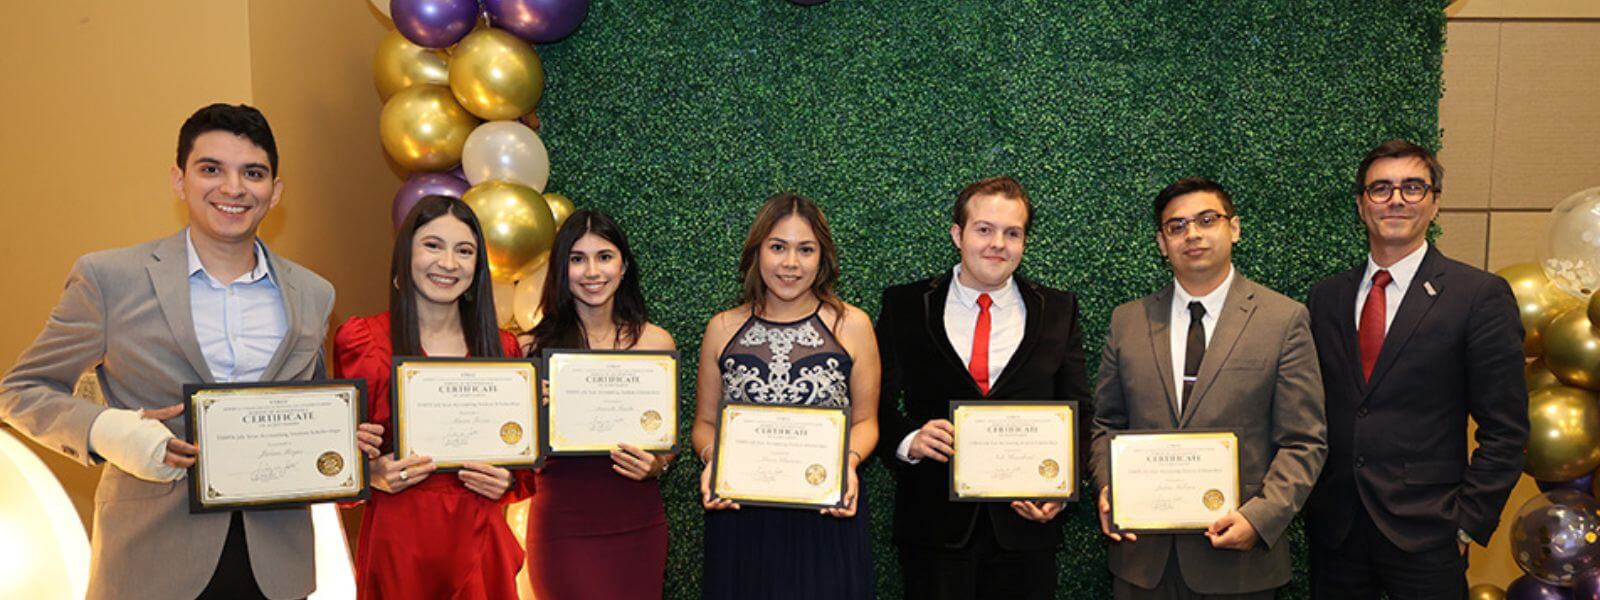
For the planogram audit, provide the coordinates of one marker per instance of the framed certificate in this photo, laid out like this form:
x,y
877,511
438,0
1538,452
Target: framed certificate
x,y
275,445
1014,451
781,456
459,410
1172,481
598,399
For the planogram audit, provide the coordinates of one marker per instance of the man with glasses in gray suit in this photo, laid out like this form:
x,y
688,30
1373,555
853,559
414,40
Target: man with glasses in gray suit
x,y
208,304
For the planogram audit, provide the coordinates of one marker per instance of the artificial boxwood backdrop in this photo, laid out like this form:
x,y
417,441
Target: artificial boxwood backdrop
x,y
679,117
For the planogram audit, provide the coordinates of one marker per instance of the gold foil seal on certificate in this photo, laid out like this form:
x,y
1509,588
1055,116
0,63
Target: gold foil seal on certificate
x,y
510,433
650,420
1212,499
1049,469
815,474
330,463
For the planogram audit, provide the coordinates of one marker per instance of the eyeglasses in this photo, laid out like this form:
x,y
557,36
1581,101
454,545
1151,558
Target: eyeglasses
x,y
1206,221
1411,190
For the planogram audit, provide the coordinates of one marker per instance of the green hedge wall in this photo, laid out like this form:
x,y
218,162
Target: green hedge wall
x,y
680,117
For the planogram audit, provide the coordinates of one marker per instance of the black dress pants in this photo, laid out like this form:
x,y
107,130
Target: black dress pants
x,y
979,570
1367,563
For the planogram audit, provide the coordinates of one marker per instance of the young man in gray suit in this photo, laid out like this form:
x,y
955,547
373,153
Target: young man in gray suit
x,y
208,304
1212,350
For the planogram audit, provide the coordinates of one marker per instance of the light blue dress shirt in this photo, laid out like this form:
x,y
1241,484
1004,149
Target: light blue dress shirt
x,y
239,324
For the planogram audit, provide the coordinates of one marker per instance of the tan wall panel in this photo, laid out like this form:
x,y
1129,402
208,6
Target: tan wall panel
x,y
1514,237
1464,236
312,67
1466,112
1524,9
1547,127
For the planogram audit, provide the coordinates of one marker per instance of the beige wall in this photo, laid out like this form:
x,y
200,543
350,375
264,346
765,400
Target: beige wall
x,y
95,94
1521,125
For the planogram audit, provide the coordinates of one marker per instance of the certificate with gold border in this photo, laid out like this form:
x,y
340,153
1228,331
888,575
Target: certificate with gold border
x,y
275,445
1172,481
598,399
781,456
460,410
1014,451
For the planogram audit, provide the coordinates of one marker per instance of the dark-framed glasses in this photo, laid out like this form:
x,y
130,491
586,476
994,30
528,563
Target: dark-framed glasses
x,y
1206,221
1412,191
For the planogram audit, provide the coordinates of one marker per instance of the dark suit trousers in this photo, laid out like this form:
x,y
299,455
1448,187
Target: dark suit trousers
x,y
1172,587
1367,562
233,577
979,570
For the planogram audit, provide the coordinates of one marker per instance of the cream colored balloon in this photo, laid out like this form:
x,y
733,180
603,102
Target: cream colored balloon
x,y
527,296
506,151
399,64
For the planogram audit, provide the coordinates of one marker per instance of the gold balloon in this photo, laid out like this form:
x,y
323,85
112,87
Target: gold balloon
x,y
1572,349
517,225
1538,375
1538,300
504,300
526,299
1594,308
1484,591
400,64
1563,433
560,206
495,75
424,129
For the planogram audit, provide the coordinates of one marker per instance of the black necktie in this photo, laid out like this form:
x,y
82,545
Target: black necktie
x,y
1196,349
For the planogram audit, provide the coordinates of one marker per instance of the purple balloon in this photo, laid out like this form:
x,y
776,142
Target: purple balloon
x,y
1528,588
537,21
434,23
1583,484
459,173
1587,587
421,185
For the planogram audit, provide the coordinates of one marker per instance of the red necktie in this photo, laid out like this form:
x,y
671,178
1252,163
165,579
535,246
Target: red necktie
x,y
1370,330
979,365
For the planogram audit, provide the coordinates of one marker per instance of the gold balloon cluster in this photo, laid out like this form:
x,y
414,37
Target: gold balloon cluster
x,y
1484,591
1563,377
433,101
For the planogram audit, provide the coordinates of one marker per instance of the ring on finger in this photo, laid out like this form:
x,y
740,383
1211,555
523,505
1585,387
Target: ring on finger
x,y
403,475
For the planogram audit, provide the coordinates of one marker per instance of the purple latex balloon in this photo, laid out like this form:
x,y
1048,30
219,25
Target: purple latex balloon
x,y
459,173
537,21
1587,587
434,23
420,185
1583,484
1528,588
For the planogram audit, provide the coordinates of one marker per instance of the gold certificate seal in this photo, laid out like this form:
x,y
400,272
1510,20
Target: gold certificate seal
x,y
815,474
1212,499
510,433
330,463
1049,469
650,420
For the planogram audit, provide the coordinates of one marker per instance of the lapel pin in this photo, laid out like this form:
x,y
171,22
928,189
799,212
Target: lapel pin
x,y
1428,285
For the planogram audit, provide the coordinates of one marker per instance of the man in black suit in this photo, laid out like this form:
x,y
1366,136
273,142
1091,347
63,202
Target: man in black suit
x,y
1411,344
977,332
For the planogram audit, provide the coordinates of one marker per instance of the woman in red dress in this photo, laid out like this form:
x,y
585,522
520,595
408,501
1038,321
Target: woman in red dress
x,y
426,535
597,528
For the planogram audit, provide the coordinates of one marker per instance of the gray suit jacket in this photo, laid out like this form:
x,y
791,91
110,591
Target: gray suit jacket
x,y
1259,378
126,313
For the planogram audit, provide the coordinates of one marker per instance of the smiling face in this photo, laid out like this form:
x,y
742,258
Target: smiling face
x,y
789,259
1200,256
594,270
1394,224
444,258
991,241
228,187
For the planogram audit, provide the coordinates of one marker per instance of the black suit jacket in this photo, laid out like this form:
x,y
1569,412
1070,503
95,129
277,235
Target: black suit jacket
x,y
1398,444
919,362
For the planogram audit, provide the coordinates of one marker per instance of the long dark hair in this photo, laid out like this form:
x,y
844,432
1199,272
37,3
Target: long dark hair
x,y
753,291
561,327
476,304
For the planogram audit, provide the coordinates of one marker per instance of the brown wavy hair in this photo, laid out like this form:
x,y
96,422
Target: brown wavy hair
x,y
775,209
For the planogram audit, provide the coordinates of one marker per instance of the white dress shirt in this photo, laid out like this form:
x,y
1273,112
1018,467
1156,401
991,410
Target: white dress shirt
x,y
238,324
1403,271
1008,317
1179,328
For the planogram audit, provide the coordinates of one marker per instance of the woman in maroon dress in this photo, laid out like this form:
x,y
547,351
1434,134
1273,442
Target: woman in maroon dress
x,y
597,528
427,535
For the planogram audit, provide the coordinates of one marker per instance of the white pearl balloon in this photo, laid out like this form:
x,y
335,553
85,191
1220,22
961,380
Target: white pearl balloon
x,y
506,151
